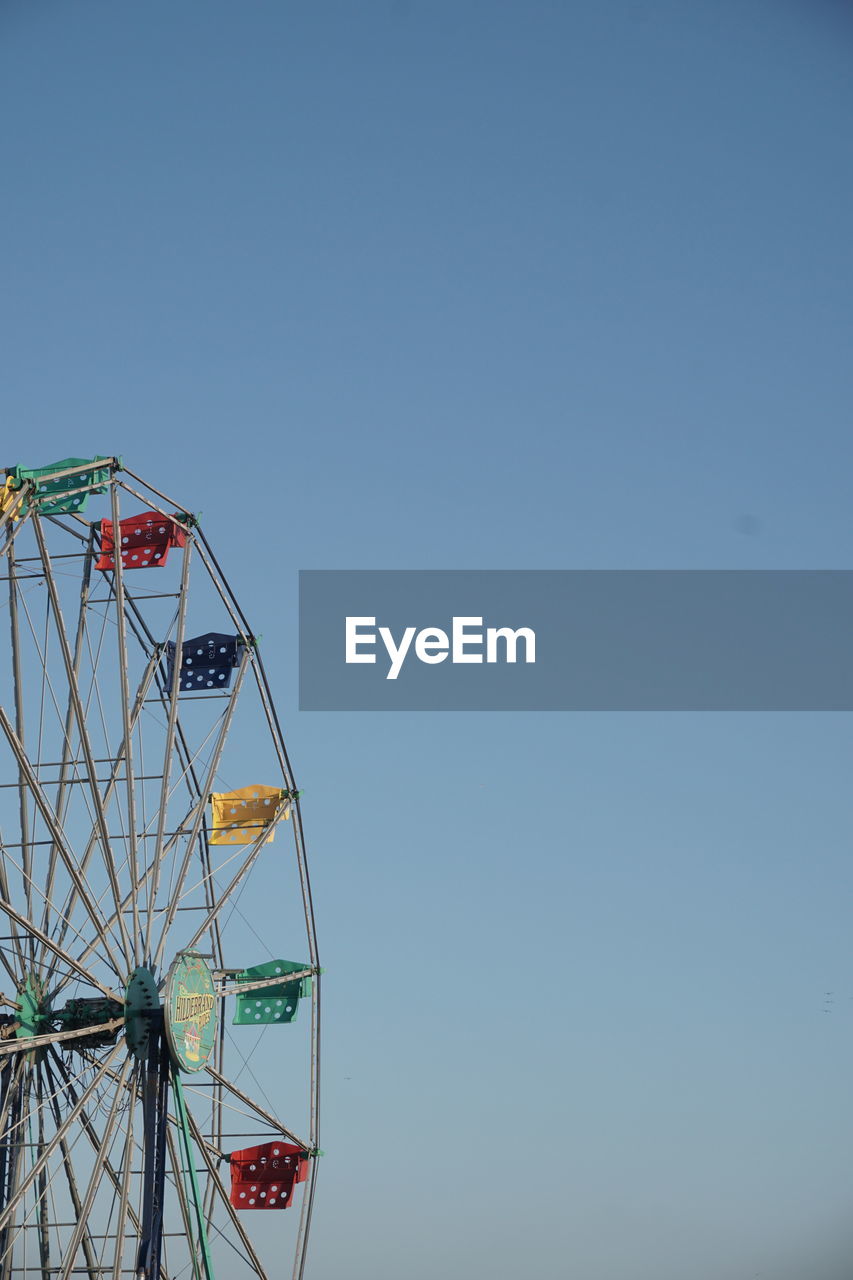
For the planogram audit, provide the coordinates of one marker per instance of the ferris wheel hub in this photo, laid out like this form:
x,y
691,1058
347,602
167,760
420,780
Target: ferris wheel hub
x,y
141,1003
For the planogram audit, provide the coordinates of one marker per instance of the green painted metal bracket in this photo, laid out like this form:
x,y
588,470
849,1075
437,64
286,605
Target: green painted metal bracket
x,y
184,1130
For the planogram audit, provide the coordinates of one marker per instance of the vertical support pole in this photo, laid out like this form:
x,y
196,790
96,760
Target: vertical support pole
x,y
155,1105
41,1194
184,1129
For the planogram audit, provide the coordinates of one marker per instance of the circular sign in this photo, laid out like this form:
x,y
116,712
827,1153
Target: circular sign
x,y
191,1013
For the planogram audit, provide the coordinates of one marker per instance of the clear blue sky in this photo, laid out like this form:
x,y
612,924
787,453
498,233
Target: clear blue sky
x,y
410,284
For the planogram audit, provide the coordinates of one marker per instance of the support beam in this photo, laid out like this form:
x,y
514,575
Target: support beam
x,y
66,761
222,1192
50,819
177,888
56,950
96,1177
90,846
170,744
184,1132
79,715
155,1100
69,1119
225,896
24,1044
121,633
266,1116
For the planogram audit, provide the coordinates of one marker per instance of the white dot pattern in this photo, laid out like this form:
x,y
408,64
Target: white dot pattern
x,y
144,539
264,1177
62,493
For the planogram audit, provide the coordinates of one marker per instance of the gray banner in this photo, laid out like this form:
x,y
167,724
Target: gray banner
x,y
581,640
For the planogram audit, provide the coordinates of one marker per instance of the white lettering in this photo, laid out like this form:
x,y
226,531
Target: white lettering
x,y
461,638
395,653
431,645
511,638
354,638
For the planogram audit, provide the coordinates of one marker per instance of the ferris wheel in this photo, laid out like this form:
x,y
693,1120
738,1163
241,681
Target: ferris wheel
x,y
157,1088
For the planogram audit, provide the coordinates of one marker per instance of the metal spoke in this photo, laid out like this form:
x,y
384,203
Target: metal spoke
x,y
222,1192
176,506
59,802
267,1116
29,927
43,1228
12,1085
45,1181
88,1250
84,861
97,1174
170,742
118,579
69,1120
202,1245
16,941
67,1164
54,1037
212,1148
251,858
9,1213
84,737
208,783
182,1199
47,683
26,1074
167,848
49,905
53,826
124,1193
130,1086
